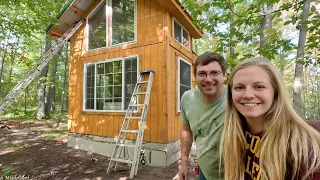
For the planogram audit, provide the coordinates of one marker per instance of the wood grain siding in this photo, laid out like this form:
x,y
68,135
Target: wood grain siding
x,y
157,50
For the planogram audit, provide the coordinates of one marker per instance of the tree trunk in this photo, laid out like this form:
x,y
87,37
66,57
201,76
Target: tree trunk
x,y
50,99
297,104
266,23
42,86
231,47
64,86
2,59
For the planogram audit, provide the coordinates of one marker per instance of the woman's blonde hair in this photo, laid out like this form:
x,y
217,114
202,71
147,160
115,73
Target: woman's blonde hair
x,y
286,137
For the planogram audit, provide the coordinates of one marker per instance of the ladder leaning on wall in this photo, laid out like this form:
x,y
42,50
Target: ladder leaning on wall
x,y
46,58
136,112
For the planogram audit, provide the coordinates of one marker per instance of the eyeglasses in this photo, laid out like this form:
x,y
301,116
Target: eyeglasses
x,y
205,74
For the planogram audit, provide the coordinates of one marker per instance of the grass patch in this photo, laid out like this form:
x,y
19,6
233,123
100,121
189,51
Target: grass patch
x,y
5,171
53,134
13,144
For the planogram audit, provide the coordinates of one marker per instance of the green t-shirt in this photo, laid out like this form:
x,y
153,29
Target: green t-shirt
x,y
206,123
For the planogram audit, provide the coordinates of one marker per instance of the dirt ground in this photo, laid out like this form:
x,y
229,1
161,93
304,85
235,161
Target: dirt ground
x,y
27,153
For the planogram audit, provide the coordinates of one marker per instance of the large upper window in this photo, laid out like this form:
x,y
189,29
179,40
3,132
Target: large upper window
x,y
184,78
109,84
97,27
181,34
123,13
121,25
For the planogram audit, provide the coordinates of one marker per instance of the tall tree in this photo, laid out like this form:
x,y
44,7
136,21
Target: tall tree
x,y
50,99
266,24
65,80
42,85
297,104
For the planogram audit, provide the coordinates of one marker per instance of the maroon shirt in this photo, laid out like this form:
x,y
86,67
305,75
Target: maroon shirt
x,y
252,168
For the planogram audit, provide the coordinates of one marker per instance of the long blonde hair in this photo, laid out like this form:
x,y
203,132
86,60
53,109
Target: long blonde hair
x,y
285,133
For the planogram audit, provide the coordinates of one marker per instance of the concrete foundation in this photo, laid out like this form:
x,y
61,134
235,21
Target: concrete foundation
x,y
156,154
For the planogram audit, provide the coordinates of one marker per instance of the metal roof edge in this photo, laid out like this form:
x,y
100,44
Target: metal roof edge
x,y
63,10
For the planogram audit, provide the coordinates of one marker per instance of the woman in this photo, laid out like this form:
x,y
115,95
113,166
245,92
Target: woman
x,y
263,137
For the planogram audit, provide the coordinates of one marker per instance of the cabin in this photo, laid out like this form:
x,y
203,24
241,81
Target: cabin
x,y
118,39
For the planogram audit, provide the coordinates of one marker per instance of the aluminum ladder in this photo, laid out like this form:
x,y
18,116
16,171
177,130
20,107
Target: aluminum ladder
x,y
136,112
46,58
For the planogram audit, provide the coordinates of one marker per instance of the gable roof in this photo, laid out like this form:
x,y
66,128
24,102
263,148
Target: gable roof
x,y
75,10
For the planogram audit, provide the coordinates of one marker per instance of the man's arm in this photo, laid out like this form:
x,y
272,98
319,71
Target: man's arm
x,y
186,142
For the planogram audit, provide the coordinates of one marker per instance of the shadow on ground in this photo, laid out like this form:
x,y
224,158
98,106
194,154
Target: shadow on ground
x,y
26,152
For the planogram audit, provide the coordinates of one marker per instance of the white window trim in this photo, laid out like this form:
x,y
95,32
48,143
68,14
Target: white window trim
x,y
95,80
87,26
179,59
135,26
182,28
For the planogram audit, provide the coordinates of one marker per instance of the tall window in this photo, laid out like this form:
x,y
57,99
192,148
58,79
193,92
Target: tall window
x,y
181,34
97,27
123,20
122,24
184,78
109,84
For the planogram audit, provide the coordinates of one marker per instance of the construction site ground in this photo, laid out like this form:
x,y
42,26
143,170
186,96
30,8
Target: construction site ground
x,y
37,150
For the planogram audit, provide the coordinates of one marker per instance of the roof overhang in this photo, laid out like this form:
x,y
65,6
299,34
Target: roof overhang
x,y
176,10
71,14
75,10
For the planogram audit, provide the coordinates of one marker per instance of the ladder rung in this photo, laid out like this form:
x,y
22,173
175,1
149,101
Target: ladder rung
x,y
130,131
126,145
132,117
136,105
128,161
139,93
143,82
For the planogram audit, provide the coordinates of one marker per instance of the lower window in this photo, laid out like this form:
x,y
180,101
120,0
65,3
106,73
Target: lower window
x,y
184,78
108,85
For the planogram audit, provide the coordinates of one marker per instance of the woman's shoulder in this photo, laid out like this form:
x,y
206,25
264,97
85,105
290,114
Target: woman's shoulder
x,y
314,123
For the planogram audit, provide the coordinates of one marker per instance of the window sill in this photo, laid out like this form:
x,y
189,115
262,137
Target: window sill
x,y
119,113
182,44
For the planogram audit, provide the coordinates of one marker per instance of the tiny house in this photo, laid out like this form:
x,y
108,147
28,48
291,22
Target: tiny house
x,y
119,39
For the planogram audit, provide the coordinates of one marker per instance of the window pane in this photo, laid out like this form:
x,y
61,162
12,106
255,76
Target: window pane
x,y
129,90
100,68
100,81
117,91
100,104
126,103
108,67
130,78
108,92
186,41
117,66
97,29
117,79
127,65
109,79
185,73
90,104
100,92
183,89
122,21
89,87
177,31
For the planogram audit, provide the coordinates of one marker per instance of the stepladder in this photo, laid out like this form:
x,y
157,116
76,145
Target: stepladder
x,y
33,72
128,144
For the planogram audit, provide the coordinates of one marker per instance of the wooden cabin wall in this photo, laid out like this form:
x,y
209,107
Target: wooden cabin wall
x,y
150,47
175,50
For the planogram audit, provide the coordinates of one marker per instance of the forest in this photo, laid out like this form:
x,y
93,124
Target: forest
x,y
285,31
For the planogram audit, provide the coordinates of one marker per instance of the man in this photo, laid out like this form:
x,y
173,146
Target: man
x,y
202,115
